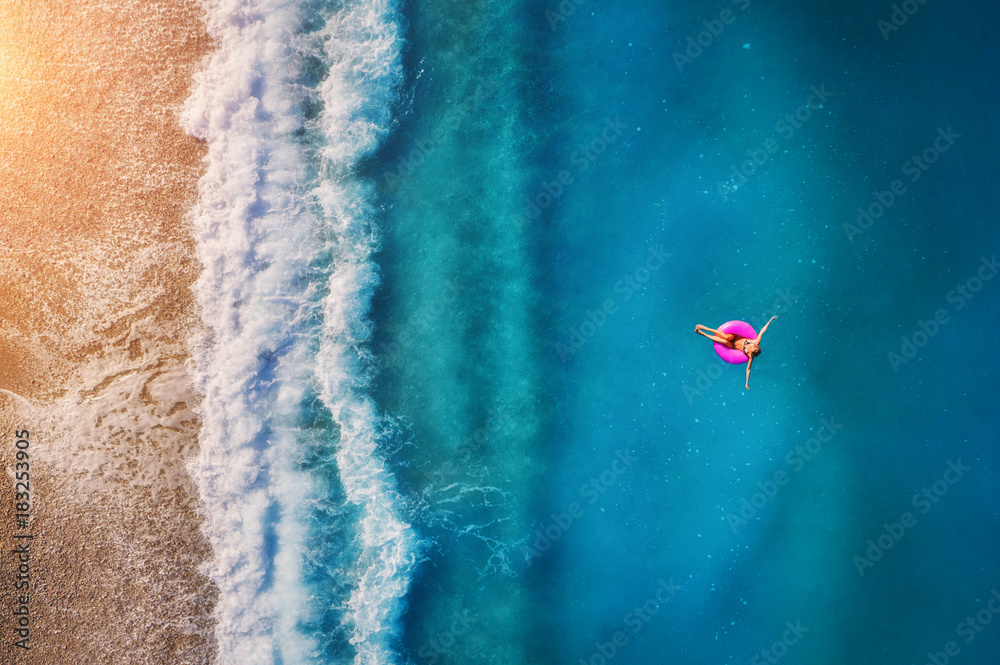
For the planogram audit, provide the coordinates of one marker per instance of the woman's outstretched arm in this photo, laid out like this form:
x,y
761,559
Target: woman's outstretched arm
x,y
761,333
749,362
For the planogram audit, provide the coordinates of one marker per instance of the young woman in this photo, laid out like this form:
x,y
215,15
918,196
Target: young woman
x,y
749,347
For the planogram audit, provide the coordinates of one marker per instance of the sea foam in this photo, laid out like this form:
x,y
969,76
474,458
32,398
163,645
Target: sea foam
x,y
285,233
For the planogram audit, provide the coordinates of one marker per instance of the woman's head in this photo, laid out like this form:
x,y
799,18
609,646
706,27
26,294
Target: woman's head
x,y
753,349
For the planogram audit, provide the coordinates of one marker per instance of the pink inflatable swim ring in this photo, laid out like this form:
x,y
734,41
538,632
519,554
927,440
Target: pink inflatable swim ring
x,y
741,328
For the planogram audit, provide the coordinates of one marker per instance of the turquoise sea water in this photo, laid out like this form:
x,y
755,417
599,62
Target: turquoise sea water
x,y
555,468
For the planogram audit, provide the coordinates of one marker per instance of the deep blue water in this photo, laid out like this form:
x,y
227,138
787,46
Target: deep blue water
x,y
455,408
641,386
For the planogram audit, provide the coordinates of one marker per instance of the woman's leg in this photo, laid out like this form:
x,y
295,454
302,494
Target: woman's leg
x,y
713,330
716,338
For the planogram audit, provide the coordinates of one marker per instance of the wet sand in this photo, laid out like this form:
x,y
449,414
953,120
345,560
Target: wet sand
x,y
95,315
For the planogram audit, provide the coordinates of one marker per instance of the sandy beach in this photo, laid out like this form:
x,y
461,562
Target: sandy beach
x,y
96,313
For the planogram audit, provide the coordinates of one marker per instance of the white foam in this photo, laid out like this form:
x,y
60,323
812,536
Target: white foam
x,y
257,236
363,49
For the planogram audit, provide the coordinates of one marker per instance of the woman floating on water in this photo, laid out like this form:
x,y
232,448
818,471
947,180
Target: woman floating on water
x,y
749,347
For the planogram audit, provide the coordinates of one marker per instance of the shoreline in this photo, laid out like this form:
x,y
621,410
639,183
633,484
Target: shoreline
x,y
96,315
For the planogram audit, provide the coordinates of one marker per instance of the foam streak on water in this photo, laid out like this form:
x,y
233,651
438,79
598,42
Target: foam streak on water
x,y
363,54
285,234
